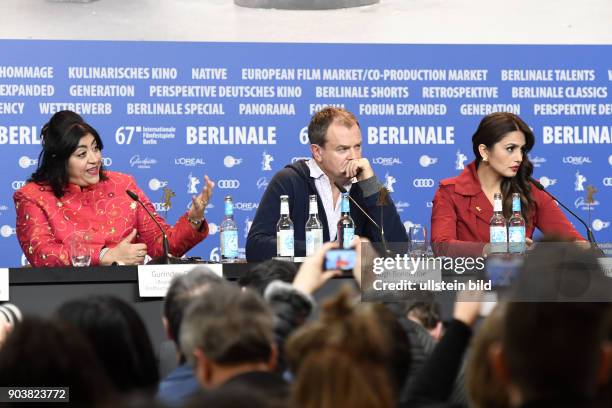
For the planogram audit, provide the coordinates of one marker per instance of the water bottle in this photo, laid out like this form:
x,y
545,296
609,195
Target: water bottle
x,y
314,228
284,231
346,226
516,227
229,233
498,230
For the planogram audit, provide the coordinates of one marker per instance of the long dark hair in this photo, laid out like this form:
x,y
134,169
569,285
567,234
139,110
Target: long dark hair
x,y
119,338
60,138
491,130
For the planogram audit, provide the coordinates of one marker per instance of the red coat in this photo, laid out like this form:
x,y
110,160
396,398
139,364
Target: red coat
x,y
461,212
45,224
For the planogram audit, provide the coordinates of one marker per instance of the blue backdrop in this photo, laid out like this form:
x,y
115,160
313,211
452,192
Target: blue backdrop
x,y
171,112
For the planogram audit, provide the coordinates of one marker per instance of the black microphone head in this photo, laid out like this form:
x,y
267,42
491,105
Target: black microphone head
x,y
536,183
340,187
132,195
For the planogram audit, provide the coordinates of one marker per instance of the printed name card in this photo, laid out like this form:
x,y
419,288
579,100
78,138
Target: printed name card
x,y
154,280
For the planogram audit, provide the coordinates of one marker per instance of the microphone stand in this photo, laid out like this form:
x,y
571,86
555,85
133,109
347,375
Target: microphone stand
x,y
166,258
590,235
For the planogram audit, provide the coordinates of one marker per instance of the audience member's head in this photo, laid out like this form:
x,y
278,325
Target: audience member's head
x,y
119,338
427,314
259,276
349,357
183,289
557,271
233,396
228,332
483,389
51,353
553,351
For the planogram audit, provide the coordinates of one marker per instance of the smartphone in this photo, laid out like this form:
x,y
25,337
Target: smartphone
x,y
502,271
342,259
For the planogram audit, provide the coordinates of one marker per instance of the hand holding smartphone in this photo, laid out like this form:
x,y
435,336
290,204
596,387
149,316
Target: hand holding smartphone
x,y
340,259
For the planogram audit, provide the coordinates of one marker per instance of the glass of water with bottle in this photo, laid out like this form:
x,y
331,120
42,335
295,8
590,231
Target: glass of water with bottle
x,y
229,233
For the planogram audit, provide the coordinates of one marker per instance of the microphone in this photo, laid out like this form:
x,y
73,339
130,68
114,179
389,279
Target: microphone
x,y
380,229
166,258
590,235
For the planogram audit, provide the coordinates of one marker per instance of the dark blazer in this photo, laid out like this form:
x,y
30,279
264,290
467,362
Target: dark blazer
x,y
461,213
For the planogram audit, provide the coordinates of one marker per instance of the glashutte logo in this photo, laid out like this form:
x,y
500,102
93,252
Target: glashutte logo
x,y
142,163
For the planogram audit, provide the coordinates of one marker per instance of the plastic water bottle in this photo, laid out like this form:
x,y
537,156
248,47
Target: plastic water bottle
x,y
229,233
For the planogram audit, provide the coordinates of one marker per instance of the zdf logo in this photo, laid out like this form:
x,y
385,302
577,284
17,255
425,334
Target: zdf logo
x,y
228,184
6,231
598,224
231,161
25,162
155,184
423,183
426,161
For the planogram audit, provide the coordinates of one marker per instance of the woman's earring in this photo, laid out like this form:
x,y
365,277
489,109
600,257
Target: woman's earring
x,y
484,159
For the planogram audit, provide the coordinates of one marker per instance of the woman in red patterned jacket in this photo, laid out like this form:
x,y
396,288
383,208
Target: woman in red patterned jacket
x,y
71,192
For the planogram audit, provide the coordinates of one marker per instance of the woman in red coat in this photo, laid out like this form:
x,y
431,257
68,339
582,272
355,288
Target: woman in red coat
x,y
70,192
463,205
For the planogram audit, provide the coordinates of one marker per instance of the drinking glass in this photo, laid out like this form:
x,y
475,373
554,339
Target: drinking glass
x,y
80,250
417,239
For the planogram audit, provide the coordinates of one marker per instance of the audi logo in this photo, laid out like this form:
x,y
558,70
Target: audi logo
x,y
17,184
159,207
228,184
107,161
423,183
607,181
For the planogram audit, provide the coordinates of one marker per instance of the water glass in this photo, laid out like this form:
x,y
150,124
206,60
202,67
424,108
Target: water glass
x,y
417,240
80,249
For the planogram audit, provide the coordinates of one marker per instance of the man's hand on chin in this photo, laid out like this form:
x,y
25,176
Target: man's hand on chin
x,y
359,168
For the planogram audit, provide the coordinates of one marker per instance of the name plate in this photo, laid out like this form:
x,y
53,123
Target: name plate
x,y
4,284
154,280
606,265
